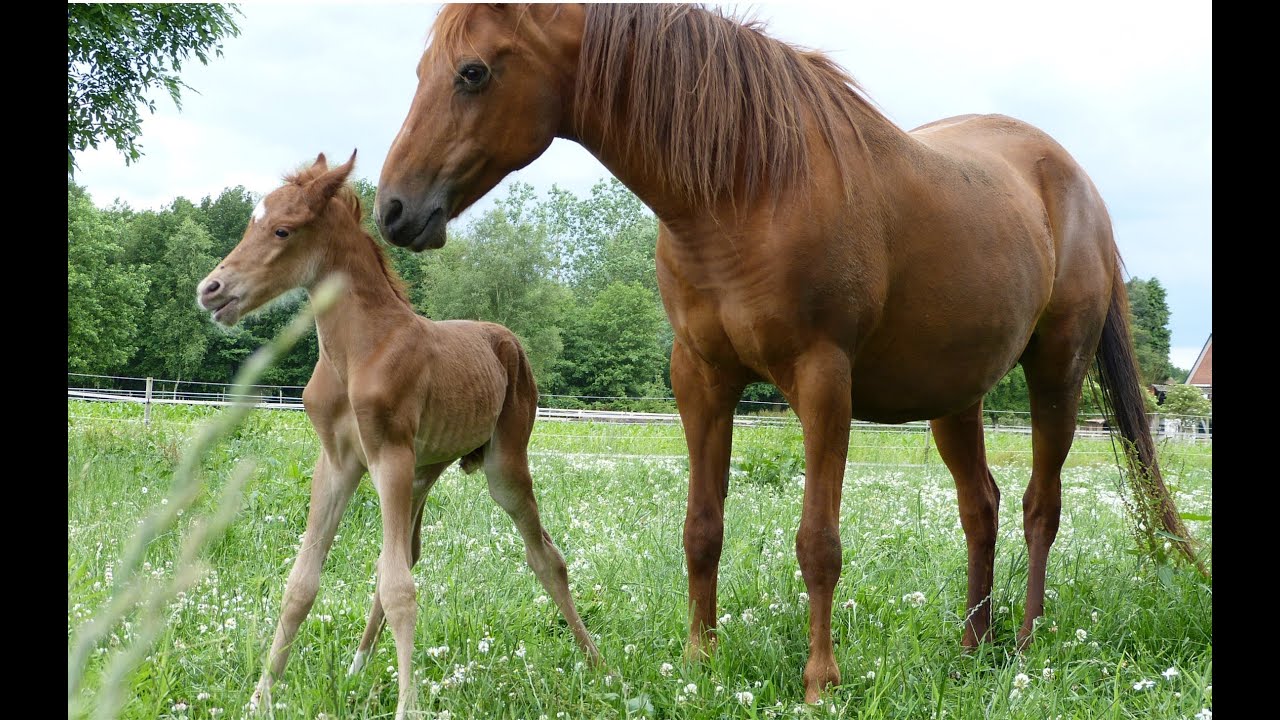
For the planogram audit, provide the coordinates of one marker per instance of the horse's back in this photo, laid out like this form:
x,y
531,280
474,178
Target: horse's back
x,y
1073,209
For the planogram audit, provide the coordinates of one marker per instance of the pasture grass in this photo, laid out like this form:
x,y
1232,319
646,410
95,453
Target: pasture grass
x,y
489,644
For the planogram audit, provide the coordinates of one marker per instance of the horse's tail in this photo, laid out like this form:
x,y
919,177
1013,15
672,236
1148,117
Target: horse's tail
x,y
1122,395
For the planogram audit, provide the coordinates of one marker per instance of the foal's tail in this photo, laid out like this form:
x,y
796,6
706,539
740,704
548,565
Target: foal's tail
x,y
1122,395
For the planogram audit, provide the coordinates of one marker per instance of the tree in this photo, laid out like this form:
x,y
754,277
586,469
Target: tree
x,y
177,330
1149,326
104,295
613,348
1185,400
501,269
117,53
608,237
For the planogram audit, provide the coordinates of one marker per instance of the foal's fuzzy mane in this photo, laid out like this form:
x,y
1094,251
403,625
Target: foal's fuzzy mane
x,y
703,100
348,201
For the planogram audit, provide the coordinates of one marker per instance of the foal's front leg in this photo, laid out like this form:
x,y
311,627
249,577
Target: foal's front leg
x,y
331,490
423,481
392,471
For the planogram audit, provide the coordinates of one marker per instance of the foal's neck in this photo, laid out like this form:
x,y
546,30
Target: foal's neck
x,y
370,309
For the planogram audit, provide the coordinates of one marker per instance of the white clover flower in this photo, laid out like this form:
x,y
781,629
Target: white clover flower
x,y
665,669
202,696
483,646
215,711
871,675
691,689
1170,674
1143,684
1081,635
1002,610
1047,673
915,599
179,707
629,648
849,604
748,617
1094,616
804,597
799,575
1204,714
725,618
745,697
145,490
1021,681
520,651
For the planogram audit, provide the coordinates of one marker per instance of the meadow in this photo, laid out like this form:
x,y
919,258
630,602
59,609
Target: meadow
x,y
1122,636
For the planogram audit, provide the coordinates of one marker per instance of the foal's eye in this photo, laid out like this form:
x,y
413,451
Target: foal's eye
x,y
282,233
472,76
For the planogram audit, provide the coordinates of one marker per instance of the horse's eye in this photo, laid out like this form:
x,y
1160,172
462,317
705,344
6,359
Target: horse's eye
x,y
472,76
282,233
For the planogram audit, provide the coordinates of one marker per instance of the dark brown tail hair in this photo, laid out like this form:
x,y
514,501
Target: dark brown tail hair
x,y
1122,395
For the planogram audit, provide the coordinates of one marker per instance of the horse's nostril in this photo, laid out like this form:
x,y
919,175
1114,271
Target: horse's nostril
x,y
212,287
392,212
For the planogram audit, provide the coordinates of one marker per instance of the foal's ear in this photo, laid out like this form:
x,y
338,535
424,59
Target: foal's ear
x,y
320,190
320,163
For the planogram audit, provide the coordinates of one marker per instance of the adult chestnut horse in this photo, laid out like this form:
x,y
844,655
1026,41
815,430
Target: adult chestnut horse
x,y
806,241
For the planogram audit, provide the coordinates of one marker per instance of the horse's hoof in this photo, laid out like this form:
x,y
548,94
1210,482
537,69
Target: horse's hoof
x,y
357,663
818,676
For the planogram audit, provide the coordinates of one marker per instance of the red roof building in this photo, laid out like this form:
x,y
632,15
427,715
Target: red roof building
x,y
1201,374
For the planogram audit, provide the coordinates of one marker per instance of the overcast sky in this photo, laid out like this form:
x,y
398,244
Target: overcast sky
x,y
1124,86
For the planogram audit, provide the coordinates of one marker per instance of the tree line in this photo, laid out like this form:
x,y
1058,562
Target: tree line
x,y
573,277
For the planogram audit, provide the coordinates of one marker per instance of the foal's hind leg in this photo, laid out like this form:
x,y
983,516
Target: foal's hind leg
x,y
331,489
1055,368
423,481
962,446
512,488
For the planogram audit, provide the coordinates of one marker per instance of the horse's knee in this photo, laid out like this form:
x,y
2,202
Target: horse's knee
x,y
819,553
703,540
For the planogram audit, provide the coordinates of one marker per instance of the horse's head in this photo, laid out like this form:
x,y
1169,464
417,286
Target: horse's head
x,y
282,246
495,86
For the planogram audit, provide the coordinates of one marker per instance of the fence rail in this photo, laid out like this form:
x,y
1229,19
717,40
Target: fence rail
x,y
149,391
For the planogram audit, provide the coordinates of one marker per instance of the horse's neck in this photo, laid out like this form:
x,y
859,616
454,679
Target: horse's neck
x,y
368,311
675,209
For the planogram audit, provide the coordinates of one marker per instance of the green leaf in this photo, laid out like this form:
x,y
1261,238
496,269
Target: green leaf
x,y
1195,516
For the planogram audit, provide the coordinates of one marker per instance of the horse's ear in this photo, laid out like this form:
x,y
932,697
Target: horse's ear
x,y
321,162
320,190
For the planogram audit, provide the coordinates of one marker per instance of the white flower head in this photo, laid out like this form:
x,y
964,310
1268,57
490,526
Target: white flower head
x,y
1047,673
1021,681
1204,714
915,599
691,689
629,648
1081,635
1143,684
1170,674
665,669
745,697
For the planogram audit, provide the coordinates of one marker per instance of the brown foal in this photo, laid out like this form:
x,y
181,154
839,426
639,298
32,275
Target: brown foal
x,y
393,393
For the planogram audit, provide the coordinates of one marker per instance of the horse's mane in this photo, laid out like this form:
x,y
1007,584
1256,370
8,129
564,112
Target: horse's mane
x,y
710,103
349,200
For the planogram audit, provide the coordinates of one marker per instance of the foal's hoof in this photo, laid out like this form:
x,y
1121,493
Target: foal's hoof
x,y
357,662
818,675
260,701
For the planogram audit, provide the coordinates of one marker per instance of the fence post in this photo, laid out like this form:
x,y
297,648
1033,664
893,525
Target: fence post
x,y
928,434
146,412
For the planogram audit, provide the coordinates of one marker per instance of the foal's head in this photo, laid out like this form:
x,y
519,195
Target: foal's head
x,y
288,235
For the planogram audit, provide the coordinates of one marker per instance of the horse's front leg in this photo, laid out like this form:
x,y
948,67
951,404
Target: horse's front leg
x,y
331,490
392,471
819,391
706,399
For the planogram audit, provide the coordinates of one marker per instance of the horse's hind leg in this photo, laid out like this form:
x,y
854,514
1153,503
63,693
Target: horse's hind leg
x,y
423,481
331,489
1055,366
962,446
507,468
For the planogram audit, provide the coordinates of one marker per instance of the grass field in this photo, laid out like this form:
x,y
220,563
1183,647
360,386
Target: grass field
x,y
1120,639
